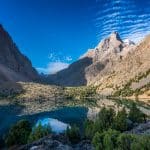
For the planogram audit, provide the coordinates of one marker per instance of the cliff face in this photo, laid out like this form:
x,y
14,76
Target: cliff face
x,y
74,75
112,64
98,60
14,66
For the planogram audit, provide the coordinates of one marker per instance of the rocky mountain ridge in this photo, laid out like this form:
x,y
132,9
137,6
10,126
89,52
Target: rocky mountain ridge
x,y
113,63
109,66
14,66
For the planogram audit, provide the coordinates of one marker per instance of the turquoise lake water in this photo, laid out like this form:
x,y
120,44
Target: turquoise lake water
x,y
59,118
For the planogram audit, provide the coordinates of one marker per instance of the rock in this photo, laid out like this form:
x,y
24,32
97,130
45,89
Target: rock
x,y
128,42
142,128
56,142
84,145
109,66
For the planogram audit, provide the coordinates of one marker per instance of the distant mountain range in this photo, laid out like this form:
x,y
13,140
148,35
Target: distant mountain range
x,y
14,66
93,63
110,66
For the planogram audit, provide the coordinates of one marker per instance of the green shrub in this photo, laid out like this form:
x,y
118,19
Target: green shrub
x,y
110,139
105,119
39,132
88,129
97,141
73,134
141,143
124,141
135,114
19,133
120,121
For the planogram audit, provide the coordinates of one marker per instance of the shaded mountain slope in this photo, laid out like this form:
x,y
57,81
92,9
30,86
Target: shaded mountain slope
x,y
92,63
14,66
74,75
113,64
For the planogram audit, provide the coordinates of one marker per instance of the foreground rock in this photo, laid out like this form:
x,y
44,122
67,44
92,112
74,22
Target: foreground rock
x,y
57,142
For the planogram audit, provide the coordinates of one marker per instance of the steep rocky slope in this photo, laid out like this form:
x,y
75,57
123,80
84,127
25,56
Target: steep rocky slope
x,y
98,60
14,66
132,68
113,63
74,75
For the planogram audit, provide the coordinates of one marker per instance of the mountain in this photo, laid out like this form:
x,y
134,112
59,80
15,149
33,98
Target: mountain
x,y
84,70
109,66
14,66
74,75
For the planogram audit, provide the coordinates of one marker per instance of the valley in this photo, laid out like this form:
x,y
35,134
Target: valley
x,y
111,79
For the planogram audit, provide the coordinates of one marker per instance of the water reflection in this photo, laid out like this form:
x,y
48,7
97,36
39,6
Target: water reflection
x,y
56,125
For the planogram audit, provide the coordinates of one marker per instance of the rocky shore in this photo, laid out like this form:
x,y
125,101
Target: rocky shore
x,y
56,142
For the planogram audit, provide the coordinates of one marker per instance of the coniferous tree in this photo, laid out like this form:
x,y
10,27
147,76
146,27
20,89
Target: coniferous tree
x,y
120,121
19,133
135,114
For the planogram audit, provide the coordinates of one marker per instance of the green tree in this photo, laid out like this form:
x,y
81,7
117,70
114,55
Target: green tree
x,y
97,141
110,139
105,119
141,143
135,114
88,129
120,121
73,134
39,132
124,141
19,133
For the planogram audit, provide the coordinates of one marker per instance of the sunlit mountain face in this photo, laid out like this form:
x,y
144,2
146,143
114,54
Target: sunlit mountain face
x,y
131,18
55,33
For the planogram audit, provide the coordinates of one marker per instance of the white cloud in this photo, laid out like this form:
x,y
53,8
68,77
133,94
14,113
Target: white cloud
x,y
68,58
59,57
53,67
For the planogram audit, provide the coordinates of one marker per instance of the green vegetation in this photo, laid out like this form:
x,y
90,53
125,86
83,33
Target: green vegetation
x,y
112,139
80,96
141,143
136,115
105,119
19,133
73,134
38,132
127,91
80,92
120,121
88,129
106,131
22,133
124,141
128,103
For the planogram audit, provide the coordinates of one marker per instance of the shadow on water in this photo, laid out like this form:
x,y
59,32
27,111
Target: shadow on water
x,y
10,114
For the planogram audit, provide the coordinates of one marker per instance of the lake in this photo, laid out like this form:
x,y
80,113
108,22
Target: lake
x,y
10,114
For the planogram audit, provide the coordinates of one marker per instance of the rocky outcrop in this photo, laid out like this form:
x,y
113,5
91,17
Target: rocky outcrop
x,y
74,75
96,62
143,128
14,66
56,142
113,63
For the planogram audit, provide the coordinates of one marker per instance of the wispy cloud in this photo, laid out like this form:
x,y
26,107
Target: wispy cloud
x,y
121,16
57,61
53,67
59,57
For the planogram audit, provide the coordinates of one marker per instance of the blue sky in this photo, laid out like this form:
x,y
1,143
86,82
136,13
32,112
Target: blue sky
x,y
54,33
